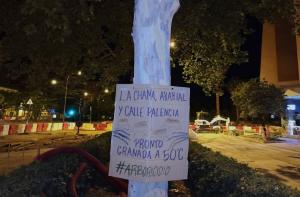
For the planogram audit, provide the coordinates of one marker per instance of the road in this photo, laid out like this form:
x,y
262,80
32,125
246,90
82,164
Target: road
x,y
279,160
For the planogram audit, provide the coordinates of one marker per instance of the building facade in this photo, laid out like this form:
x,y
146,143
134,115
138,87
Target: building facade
x,y
280,65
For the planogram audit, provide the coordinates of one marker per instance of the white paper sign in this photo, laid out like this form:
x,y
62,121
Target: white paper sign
x,y
150,133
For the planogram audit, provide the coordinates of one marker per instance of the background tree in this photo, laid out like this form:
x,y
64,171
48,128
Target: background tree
x,y
40,40
231,87
258,100
210,35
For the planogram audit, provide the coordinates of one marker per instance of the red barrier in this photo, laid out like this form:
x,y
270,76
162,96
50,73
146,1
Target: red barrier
x,y
45,126
12,129
100,126
224,128
39,127
96,126
239,128
191,126
65,126
28,128
1,130
255,129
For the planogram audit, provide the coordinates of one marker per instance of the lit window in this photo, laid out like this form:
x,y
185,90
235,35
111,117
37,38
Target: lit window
x,y
291,107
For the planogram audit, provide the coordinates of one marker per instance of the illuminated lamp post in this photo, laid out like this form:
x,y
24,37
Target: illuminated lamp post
x,y
86,94
79,73
54,82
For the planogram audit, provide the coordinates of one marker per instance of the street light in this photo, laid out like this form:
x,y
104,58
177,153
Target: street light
x,y
87,94
79,73
53,82
172,44
106,91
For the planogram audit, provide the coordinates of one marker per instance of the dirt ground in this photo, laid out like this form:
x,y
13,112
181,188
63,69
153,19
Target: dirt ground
x,y
18,150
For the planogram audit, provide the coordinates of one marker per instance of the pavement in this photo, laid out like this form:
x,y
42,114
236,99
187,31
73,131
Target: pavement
x,y
280,160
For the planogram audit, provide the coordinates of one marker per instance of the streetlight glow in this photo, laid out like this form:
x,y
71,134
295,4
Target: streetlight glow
x,y
106,91
172,44
71,112
53,82
79,73
86,94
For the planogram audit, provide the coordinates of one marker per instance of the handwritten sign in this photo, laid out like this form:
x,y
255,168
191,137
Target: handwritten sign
x,y
150,133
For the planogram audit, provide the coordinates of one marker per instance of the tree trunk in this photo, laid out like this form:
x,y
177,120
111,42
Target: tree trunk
x,y
152,35
217,104
237,114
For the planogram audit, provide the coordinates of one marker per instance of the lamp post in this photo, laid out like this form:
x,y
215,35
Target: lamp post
x,y
54,82
65,99
79,73
87,94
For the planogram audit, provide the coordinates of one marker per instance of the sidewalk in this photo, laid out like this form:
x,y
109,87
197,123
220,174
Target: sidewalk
x,y
278,160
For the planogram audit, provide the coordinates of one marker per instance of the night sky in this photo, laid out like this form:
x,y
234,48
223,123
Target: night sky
x,y
244,71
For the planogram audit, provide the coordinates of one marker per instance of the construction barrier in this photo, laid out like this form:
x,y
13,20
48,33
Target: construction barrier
x,y
57,126
12,129
71,126
4,130
39,127
232,128
239,128
60,126
28,128
100,126
256,129
65,125
109,127
21,128
1,130
49,126
34,128
247,129
88,127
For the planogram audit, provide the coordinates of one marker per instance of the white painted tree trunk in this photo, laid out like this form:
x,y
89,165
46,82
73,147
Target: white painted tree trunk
x,y
151,35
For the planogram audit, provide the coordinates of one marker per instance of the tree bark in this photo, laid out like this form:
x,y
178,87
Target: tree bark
x,y
237,114
217,104
151,36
